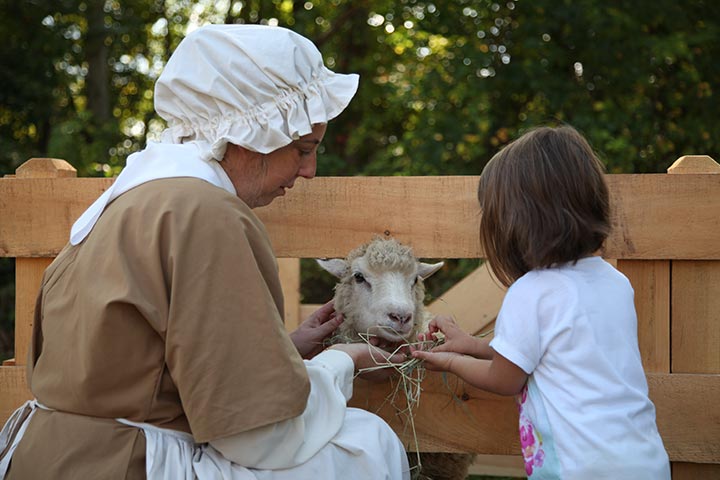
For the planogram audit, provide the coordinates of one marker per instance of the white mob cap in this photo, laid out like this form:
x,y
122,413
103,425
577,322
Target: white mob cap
x,y
255,86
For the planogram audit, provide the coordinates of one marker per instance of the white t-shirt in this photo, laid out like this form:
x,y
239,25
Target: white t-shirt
x,y
585,411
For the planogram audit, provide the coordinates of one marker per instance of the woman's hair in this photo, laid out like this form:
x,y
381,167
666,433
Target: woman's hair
x,y
544,201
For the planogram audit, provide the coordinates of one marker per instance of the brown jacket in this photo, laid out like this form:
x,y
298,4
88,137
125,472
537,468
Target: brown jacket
x,y
168,313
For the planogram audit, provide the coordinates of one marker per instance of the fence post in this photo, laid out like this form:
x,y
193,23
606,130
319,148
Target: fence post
x,y
695,315
290,281
29,271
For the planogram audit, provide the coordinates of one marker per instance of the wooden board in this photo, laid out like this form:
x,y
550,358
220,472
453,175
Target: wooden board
x,y
455,417
474,301
651,281
14,391
28,276
696,316
451,416
37,213
656,216
499,466
463,418
691,305
290,281
689,427
695,471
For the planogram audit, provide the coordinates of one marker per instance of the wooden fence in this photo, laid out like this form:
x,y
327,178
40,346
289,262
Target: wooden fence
x,y
666,240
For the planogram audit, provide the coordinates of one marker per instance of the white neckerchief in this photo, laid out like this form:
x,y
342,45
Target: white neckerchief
x,y
157,160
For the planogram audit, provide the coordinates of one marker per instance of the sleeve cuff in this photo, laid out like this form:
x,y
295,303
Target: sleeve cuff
x,y
507,351
340,366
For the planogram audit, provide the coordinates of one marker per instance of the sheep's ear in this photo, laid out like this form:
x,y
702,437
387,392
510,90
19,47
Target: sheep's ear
x,y
427,269
336,266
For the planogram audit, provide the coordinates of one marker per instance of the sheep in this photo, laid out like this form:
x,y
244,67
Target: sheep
x,y
381,292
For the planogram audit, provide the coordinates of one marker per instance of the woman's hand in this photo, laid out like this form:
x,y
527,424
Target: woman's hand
x,y
309,336
368,356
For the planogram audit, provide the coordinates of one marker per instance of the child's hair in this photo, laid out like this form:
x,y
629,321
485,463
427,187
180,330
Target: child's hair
x,y
544,201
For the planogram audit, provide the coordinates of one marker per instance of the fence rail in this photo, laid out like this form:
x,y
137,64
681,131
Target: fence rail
x,y
666,239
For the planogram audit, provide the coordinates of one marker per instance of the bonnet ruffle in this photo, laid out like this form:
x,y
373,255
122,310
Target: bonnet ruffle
x,y
255,86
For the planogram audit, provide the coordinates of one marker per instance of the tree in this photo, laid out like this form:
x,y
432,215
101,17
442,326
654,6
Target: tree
x,y
443,85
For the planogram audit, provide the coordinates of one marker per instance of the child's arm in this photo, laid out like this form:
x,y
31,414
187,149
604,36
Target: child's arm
x,y
498,375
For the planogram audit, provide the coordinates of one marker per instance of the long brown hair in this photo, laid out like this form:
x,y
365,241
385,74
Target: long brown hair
x,y
544,201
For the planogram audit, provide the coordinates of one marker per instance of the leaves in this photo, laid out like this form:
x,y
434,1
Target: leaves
x,y
443,85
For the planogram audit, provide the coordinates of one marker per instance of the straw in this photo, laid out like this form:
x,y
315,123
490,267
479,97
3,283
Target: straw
x,y
411,374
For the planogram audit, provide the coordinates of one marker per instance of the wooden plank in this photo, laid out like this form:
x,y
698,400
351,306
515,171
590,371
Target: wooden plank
x,y
695,471
690,429
474,301
694,164
473,420
499,466
306,309
28,277
696,316
693,327
655,216
37,213
651,281
451,416
290,281
29,271
45,168
15,392
455,417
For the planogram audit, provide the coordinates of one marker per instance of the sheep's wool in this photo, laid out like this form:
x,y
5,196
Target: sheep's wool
x,y
387,255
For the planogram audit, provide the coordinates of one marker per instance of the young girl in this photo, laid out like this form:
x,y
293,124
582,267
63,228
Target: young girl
x,y
566,336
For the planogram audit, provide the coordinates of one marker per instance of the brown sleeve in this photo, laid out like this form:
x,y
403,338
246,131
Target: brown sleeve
x,y
226,347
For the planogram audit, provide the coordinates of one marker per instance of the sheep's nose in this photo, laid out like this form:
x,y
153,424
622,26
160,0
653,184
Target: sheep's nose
x,y
400,318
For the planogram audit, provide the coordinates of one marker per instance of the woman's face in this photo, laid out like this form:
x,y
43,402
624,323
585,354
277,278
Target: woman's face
x,y
259,179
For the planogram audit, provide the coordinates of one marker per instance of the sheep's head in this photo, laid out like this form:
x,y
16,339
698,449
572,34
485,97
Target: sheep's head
x,y
380,290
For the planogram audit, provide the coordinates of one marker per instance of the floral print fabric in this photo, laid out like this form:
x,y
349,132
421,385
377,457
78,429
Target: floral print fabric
x,y
536,440
530,439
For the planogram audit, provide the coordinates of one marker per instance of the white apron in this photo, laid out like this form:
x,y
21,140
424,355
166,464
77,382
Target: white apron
x,y
355,453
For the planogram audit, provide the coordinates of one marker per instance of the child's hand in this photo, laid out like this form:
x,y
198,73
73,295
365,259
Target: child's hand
x,y
456,340
436,361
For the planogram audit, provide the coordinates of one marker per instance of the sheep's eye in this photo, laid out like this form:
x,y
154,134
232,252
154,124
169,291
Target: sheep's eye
x,y
415,280
359,278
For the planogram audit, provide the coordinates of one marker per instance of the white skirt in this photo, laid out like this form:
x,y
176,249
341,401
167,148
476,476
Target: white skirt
x,y
365,448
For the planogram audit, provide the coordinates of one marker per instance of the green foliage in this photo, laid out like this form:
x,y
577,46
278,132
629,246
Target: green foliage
x,y
7,307
443,85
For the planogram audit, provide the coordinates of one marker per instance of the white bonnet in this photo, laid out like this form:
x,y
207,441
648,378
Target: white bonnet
x,y
256,86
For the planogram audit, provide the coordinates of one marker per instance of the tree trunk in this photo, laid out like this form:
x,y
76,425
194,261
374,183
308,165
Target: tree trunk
x,y
96,82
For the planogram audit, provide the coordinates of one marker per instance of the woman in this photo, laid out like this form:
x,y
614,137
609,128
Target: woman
x,y
158,348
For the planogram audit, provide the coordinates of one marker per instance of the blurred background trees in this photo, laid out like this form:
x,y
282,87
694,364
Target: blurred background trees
x,y
444,84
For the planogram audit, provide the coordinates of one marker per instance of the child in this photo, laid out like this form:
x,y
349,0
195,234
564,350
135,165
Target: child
x,y
566,336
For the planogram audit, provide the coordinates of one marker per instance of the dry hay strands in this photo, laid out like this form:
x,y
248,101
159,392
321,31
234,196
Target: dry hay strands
x,y
407,385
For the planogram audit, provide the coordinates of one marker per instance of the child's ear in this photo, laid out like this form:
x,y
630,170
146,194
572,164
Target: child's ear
x,y
427,269
336,266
